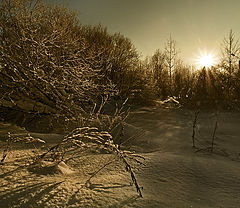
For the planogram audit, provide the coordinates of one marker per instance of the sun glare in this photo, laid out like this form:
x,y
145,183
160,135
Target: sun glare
x,y
206,60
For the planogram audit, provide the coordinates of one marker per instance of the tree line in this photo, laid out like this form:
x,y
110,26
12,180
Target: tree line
x,y
215,86
51,64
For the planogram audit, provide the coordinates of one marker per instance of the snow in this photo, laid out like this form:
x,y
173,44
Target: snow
x,y
174,175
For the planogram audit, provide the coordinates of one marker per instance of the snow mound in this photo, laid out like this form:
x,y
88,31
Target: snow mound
x,y
49,168
170,102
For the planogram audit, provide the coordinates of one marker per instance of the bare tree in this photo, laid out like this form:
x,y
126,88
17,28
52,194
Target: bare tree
x,y
157,64
170,57
47,66
160,73
51,64
230,52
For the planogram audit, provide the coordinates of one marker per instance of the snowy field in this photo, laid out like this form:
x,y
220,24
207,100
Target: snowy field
x,y
175,174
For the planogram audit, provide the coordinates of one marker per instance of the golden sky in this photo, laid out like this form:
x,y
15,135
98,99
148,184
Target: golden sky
x,y
194,24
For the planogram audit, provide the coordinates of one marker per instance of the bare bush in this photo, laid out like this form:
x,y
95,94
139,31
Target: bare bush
x,y
52,65
82,139
42,62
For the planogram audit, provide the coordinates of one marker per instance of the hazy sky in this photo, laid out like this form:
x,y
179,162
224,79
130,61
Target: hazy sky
x,y
194,24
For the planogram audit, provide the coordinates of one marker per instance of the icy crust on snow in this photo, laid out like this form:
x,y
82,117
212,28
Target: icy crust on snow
x,y
175,174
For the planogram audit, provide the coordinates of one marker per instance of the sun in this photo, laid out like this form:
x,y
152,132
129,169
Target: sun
x,y
206,60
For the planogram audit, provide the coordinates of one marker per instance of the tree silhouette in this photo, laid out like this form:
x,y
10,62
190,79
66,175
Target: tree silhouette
x,y
230,48
170,58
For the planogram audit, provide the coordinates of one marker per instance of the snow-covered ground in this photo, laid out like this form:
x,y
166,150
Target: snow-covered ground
x,y
174,175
